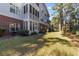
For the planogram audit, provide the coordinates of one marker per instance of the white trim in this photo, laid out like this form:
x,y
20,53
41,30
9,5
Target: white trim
x,y
28,18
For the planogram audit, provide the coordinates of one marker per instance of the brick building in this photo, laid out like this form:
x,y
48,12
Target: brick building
x,y
28,16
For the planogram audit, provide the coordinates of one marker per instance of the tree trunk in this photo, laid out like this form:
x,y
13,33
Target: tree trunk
x,y
61,21
59,27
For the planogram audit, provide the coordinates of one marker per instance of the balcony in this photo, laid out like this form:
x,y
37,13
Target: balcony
x,y
33,17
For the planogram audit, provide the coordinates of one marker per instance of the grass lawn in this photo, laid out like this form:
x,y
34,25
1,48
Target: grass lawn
x,y
49,44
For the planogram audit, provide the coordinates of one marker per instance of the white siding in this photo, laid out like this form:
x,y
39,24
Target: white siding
x,y
5,10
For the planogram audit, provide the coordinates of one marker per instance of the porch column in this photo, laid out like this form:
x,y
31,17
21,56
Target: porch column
x,y
28,18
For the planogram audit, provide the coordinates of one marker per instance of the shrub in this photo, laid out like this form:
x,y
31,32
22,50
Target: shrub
x,y
13,33
2,31
43,32
33,33
74,31
23,32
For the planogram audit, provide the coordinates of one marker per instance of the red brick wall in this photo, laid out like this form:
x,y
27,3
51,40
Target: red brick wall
x,y
5,21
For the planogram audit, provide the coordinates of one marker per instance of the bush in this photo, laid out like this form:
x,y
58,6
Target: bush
x,y
43,32
33,33
13,33
2,31
74,31
23,32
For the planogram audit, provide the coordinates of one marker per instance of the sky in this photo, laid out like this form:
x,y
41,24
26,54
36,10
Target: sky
x,y
49,7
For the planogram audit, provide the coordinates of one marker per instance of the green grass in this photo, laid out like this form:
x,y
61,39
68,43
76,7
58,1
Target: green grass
x,y
50,44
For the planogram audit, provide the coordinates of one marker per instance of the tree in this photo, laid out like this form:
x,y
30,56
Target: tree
x,y
72,12
69,11
59,8
55,22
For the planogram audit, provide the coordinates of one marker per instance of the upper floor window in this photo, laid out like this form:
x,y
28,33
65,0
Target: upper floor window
x,y
41,19
34,11
45,15
17,11
25,8
37,4
14,9
30,9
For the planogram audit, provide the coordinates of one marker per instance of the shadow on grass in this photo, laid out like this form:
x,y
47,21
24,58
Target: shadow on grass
x,y
58,40
26,50
31,45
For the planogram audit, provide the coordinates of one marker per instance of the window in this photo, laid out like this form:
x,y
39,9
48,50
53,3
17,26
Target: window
x,y
30,25
26,25
18,27
37,14
33,11
45,15
30,9
41,19
37,4
17,11
25,8
33,26
12,27
12,8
